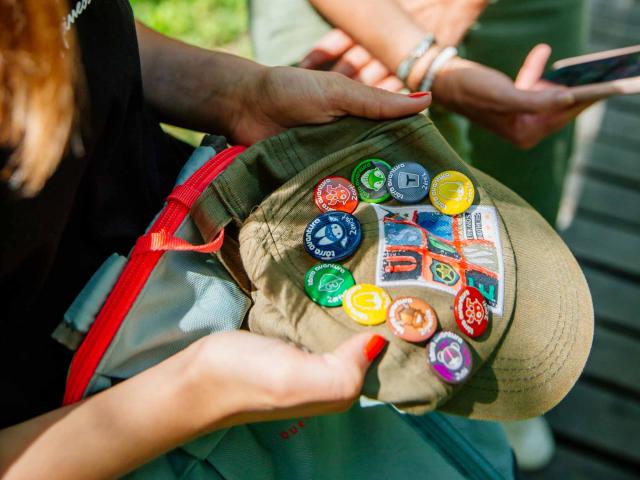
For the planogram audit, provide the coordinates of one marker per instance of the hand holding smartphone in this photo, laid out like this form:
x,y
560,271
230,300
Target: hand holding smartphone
x,y
599,75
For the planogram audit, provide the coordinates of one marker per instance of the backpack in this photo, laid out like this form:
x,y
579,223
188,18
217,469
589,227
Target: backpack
x,y
170,291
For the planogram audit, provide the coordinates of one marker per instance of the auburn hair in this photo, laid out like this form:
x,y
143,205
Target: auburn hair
x,y
37,79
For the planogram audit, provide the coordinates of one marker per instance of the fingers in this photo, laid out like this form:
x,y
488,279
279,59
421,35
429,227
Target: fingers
x,y
372,73
539,101
347,97
533,66
352,61
525,96
391,83
328,49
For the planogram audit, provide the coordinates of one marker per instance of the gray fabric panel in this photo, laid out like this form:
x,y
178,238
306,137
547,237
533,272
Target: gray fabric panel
x,y
83,311
187,296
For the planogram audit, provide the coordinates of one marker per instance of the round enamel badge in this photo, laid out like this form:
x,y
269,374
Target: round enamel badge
x,y
369,178
335,194
408,182
366,304
326,283
471,312
412,319
332,236
449,357
451,192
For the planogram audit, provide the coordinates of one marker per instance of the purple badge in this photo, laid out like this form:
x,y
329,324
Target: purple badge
x,y
450,357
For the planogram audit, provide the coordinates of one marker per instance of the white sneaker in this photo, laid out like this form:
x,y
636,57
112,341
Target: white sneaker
x,y
532,442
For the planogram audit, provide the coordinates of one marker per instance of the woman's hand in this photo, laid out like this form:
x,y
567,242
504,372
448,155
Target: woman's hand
x,y
523,112
260,378
222,380
282,97
216,92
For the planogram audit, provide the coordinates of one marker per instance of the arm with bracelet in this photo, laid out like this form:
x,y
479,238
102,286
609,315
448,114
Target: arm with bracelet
x,y
523,111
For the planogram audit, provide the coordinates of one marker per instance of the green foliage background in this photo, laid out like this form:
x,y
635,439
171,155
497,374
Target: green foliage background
x,y
218,24
206,23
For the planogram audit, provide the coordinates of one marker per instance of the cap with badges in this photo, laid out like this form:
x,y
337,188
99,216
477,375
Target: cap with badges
x,y
366,304
451,192
449,357
412,319
408,182
409,263
335,194
332,236
369,178
326,283
471,312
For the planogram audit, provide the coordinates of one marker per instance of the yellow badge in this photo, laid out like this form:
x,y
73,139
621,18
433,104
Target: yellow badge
x,y
366,304
451,192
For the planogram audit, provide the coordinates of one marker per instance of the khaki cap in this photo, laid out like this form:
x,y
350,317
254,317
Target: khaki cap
x,y
542,323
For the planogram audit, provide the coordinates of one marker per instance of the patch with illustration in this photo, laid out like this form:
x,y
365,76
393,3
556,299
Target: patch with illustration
x,y
421,246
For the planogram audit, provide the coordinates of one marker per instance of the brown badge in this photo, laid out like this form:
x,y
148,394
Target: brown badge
x,y
412,319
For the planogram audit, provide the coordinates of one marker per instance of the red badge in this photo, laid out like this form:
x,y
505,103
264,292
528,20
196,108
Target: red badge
x,y
471,312
335,193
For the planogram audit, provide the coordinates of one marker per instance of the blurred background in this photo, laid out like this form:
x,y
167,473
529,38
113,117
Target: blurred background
x,y
597,427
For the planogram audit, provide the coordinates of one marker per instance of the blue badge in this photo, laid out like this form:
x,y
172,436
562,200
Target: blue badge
x,y
332,236
408,182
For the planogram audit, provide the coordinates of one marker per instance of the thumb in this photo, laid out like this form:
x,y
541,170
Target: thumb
x,y
348,97
533,66
361,350
336,377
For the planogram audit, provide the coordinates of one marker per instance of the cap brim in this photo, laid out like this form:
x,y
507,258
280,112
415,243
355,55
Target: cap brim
x,y
546,345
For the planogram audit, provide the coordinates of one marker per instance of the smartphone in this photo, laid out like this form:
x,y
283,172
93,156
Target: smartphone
x,y
599,75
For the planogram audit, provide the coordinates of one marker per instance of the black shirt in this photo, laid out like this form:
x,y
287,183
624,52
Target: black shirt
x,y
92,206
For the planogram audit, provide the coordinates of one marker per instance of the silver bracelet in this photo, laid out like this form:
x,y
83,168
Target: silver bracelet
x,y
443,57
404,69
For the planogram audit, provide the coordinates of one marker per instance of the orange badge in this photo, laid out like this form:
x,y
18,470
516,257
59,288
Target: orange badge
x,y
335,194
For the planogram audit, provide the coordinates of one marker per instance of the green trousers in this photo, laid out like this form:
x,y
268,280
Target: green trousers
x,y
283,31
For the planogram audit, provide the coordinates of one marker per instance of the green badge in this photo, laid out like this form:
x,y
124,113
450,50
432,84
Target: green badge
x,y
370,179
326,283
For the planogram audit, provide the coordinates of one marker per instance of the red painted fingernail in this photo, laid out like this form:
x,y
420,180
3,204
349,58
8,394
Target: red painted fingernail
x,y
418,94
374,347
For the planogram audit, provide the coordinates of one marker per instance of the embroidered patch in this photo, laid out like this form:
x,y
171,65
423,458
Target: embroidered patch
x,y
421,246
437,224
444,273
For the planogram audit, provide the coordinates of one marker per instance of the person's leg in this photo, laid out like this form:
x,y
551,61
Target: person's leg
x,y
505,33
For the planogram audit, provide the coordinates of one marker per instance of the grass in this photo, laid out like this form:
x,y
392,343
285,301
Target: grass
x,y
216,24
206,23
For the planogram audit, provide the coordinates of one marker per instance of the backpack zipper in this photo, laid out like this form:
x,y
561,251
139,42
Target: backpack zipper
x,y
132,280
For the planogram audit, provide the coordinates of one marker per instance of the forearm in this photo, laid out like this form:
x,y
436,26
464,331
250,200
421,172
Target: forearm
x,y
449,20
380,26
114,431
192,87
